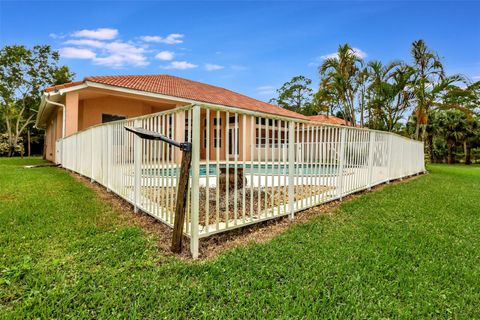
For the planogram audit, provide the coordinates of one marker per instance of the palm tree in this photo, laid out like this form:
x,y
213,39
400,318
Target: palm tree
x,y
467,100
452,126
339,74
428,72
432,130
390,93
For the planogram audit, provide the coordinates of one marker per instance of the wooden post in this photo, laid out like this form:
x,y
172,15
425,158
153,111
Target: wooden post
x,y
182,191
189,151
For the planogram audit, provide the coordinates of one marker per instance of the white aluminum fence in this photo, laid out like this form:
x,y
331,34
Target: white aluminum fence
x,y
247,166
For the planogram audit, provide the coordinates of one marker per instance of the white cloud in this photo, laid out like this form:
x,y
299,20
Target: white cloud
x,y
87,43
181,65
476,77
165,55
56,35
173,38
114,54
102,47
266,90
77,53
100,34
213,67
119,54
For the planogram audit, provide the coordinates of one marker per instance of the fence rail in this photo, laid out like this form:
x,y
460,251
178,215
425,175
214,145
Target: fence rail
x,y
247,167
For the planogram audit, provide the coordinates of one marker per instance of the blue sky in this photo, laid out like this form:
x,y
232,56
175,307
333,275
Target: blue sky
x,y
249,47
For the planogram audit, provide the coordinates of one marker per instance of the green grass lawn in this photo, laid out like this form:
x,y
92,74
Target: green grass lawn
x,y
410,250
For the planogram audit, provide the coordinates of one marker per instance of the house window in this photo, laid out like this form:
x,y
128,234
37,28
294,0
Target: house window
x,y
273,139
263,121
111,117
217,138
217,132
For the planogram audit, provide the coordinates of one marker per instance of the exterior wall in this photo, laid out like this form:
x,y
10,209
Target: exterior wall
x,y
91,110
53,132
72,105
221,130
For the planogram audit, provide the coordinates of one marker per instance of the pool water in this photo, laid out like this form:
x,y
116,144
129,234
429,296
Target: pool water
x,y
258,169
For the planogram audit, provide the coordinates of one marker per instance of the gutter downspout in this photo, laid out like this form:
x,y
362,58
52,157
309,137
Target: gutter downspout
x,y
64,111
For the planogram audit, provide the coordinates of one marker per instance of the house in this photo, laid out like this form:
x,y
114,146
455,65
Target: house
x,y
68,108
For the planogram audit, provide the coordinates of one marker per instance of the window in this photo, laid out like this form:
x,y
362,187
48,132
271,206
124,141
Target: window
x,y
110,117
263,121
273,140
217,138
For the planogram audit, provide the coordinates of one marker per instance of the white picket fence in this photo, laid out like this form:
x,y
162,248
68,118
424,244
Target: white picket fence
x,y
253,167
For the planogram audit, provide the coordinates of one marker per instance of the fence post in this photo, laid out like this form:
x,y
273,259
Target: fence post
x,y
341,164
91,155
370,158
291,169
137,165
109,157
389,159
194,207
402,166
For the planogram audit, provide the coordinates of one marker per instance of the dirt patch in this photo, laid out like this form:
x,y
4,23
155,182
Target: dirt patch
x,y
214,245
256,199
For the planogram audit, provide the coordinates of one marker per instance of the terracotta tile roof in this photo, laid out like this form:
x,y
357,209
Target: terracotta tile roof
x,y
328,119
62,86
187,89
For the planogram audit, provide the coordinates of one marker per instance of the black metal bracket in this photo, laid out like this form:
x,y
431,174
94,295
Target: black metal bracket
x,y
152,135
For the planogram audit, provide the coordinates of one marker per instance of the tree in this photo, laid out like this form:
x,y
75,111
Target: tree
x,y
453,126
388,93
428,72
339,75
23,74
296,95
432,129
467,100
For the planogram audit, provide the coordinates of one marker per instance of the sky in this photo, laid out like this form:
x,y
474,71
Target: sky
x,y
245,46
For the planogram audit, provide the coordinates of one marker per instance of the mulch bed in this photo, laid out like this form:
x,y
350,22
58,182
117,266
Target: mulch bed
x,y
259,200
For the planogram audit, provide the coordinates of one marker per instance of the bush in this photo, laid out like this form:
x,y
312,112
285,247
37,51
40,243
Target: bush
x,y
4,145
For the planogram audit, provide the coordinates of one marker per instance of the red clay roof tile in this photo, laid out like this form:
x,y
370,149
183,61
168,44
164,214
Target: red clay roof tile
x,y
328,119
187,89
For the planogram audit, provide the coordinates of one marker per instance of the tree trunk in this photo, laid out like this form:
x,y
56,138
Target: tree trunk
x,y
417,131
450,144
467,148
430,148
28,143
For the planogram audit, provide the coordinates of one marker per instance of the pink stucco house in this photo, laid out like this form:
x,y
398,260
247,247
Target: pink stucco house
x,y
68,108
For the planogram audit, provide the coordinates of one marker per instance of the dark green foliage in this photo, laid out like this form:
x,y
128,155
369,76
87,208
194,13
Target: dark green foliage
x,y
296,95
24,73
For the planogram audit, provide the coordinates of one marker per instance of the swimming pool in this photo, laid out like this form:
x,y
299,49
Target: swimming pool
x,y
257,169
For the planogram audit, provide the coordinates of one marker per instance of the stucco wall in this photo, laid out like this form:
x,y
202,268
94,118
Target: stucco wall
x,y
91,110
